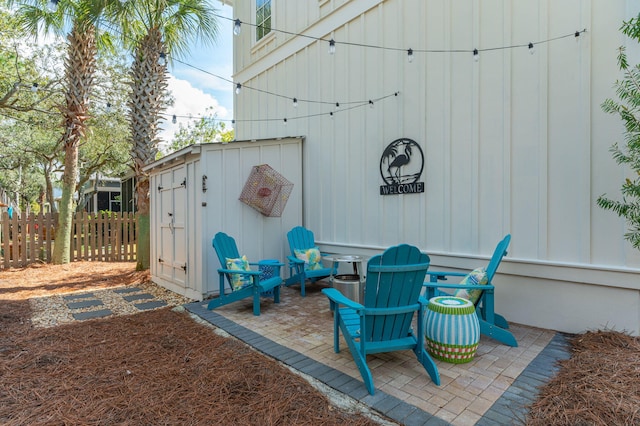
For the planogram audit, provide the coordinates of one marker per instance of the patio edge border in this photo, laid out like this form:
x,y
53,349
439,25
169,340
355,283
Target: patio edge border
x,y
510,407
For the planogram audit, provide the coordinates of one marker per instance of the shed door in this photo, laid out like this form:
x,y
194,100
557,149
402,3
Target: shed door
x,y
172,244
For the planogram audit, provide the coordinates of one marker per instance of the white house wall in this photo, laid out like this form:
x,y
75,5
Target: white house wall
x,y
514,143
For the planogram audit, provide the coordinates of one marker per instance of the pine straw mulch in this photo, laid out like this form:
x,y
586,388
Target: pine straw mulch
x,y
598,385
158,367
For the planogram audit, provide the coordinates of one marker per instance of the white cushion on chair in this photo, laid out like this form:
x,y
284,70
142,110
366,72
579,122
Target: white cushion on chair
x,y
310,257
240,264
476,277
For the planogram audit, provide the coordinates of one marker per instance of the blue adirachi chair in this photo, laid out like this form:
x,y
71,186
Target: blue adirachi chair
x,y
384,322
253,286
301,239
491,324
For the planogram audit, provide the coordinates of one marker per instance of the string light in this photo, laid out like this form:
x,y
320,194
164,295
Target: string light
x,y
531,48
410,52
174,120
410,55
162,59
34,87
332,42
332,47
108,106
295,102
287,120
237,27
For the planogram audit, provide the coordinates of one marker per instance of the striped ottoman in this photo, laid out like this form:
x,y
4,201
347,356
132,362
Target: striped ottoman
x,y
452,329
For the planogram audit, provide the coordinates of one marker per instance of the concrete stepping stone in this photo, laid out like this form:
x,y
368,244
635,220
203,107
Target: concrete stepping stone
x,y
78,296
127,290
84,304
92,314
150,305
135,297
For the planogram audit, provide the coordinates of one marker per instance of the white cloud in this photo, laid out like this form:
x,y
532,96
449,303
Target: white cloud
x,y
189,102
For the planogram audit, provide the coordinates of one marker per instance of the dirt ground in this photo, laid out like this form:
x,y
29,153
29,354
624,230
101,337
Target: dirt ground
x,y
153,368
163,368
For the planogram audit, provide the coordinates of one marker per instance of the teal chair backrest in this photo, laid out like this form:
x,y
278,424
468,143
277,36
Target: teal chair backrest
x,y
499,252
394,280
225,247
300,238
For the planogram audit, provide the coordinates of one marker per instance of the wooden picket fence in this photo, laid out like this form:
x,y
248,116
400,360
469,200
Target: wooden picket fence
x,y
102,237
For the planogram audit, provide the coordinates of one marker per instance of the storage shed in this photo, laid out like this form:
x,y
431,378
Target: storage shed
x,y
195,192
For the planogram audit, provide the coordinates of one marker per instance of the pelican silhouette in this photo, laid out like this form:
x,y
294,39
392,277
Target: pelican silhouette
x,y
399,161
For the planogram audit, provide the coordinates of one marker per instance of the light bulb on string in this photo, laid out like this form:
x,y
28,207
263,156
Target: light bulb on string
x,y
108,106
295,102
174,120
237,27
332,47
532,49
337,106
410,55
238,88
162,59
331,114
34,87
285,121
53,5
476,55
370,104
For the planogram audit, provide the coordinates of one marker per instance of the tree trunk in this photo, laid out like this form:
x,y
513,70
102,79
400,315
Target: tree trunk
x,y
146,103
62,247
80,67
49,189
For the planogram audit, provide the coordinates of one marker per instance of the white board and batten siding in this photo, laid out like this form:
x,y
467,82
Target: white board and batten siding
x,y
187,210
513,143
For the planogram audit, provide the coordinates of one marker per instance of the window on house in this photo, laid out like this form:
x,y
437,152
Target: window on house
x,y
263,18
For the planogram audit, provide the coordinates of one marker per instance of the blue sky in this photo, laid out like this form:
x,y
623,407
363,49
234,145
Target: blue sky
x,y
194,91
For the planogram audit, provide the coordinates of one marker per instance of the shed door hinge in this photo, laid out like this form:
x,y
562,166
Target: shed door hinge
x,y
184,268
184,182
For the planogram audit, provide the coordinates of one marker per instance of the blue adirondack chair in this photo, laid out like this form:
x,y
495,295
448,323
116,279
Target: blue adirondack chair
x,y
226,248
491,324
301,239
383,324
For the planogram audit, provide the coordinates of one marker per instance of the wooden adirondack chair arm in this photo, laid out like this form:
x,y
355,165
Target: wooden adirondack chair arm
x,y
293,259
335,296
266,264
486,287
442,275
237,271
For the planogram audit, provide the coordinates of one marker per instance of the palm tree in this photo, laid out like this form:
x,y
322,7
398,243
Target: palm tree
x,y
77,19
156,30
